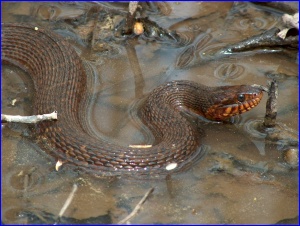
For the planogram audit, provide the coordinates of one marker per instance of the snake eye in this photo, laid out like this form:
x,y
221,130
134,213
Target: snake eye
x,y
241,97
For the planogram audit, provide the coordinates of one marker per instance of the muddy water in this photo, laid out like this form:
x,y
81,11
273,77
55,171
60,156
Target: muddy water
x,y
243,178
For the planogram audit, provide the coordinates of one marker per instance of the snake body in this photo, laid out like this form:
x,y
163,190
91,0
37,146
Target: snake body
x,y
60,82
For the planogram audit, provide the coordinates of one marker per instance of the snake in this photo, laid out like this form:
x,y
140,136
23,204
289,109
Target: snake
x,y
60,84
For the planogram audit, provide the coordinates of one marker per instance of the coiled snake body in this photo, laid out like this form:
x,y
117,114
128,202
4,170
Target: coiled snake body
x,y
60,81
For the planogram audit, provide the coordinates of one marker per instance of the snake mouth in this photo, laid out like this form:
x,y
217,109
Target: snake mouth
x,y
235,109
223,112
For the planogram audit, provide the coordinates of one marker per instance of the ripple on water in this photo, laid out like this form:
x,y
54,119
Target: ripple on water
x,y
25,215
281,131
244,24
164,8
46,12
185,57
252,127
257,21
194,27
185,38
24,178
229,71
59,12
209,51
107,49
14,215
237,119
203,41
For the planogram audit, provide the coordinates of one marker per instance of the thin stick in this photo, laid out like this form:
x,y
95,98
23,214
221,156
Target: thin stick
x,y
136,68
268,38
137,208
271,106
133,6
68,201
263,88
28,119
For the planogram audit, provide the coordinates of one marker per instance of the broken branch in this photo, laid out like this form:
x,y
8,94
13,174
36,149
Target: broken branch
x,y
137,208
271,106
68,201
28,119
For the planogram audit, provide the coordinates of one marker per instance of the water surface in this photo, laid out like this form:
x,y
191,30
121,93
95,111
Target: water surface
x,y
243,178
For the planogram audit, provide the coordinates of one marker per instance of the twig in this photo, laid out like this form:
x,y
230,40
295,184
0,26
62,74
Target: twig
x,y
282,6
130,19
133,6
137,208
268,38
271,106
170,186
68,201
263,88
26,179
136,68
26,182
28,119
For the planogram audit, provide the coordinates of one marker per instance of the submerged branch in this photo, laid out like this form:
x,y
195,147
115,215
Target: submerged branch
x,y
68,201
267,39
137,208
130,19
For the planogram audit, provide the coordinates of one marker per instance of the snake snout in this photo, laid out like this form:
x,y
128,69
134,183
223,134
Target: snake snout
x,y
240,103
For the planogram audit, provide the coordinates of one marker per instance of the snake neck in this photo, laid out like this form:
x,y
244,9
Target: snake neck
x,y
183,96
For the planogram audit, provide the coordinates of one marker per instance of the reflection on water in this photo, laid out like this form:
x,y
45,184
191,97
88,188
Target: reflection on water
x,y
244,177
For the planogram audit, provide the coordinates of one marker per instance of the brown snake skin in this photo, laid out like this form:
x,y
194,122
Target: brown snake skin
x,y
60,82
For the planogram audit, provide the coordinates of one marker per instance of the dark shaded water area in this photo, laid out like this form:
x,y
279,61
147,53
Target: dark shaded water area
x,y
243,178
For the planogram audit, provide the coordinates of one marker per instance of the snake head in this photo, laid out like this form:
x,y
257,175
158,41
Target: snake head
x,y
229,101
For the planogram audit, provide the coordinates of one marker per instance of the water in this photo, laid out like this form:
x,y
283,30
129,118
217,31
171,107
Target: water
x,y
243,178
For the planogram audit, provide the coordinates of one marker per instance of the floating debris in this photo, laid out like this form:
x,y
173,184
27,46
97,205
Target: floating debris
x,y
138,28
291,156
171,166
58,165
140,145
13,102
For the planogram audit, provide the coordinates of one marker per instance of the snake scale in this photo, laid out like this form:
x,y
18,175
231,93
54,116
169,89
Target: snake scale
x,y
60,83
